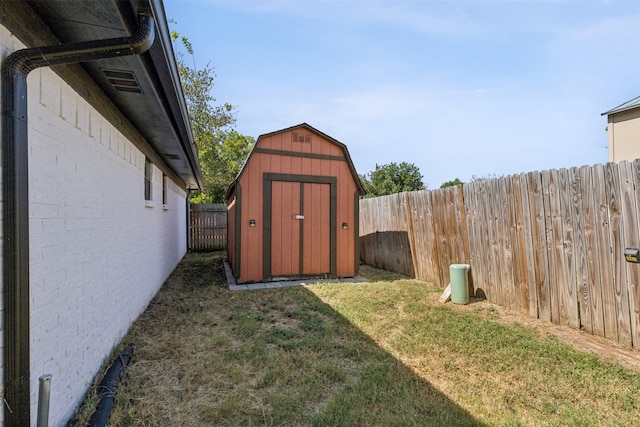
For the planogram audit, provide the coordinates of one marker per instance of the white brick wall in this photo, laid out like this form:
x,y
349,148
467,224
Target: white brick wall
x,y
97,253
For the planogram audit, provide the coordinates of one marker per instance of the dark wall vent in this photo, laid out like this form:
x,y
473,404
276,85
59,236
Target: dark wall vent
x,y
123,81
301,137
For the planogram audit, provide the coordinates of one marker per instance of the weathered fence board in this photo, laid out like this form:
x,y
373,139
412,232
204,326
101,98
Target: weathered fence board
x,y
207,227
579,262
519,244
588,306
505,254
621,297
609,238
549,244
529,231
602,255
486,218
439,234
569,304
539,238
632,236
471,216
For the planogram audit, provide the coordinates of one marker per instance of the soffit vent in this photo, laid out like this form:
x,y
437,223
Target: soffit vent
x,y
301,137
123,81
172,156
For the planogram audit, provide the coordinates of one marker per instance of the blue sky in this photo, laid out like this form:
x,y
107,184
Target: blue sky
x,y
459,88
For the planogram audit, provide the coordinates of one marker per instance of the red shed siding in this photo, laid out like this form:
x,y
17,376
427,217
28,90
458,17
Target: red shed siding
x,y
285,235
316,242
231,232
298,183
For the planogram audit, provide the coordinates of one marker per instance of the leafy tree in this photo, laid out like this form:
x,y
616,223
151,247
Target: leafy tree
x,y
233,149
451,183
392,178
221,150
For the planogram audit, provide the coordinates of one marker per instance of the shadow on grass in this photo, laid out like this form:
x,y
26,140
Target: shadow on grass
x,y
350,378
359,382
204,355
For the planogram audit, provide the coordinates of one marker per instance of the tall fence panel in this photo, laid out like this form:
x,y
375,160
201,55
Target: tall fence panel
x,y
449,228
207,227
426,228
548,244
423,238
384,237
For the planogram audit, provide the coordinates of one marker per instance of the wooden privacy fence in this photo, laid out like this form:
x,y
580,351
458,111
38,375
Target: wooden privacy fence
x,y
415,233
207,227
548,244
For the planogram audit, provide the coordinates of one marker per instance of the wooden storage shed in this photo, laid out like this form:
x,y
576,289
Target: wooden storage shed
x,y
293,209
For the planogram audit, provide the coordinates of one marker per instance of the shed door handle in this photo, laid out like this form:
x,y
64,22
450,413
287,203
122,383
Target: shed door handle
x,y
299,217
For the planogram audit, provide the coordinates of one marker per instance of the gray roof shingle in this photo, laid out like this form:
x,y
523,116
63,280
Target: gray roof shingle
x,y
629,105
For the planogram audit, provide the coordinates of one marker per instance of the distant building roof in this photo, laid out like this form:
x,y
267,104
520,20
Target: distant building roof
x,y
629,105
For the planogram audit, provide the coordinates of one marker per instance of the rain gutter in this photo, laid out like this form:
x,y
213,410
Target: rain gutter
x,y
15,196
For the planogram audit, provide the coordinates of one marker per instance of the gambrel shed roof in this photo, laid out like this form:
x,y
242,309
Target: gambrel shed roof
x,y
307,127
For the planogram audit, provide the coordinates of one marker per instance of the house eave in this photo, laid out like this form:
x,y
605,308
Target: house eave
x,y
155,108
629,105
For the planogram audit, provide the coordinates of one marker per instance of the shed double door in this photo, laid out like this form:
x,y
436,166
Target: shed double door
x,y
300,228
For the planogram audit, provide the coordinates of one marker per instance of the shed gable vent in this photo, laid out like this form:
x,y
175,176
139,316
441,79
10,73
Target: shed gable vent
x,y
301,137
123,81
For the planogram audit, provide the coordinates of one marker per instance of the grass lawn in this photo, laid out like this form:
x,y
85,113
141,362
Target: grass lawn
x,y
382,353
